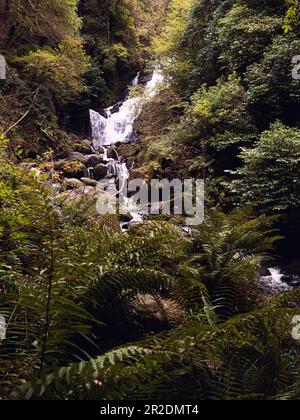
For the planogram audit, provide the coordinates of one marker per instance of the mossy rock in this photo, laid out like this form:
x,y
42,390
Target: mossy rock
x,y
78,157
111,153
94,160
89,182
129,150
74,170
73,184
100,171
84,147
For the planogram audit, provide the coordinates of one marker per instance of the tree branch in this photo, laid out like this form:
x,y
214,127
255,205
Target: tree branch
x,y
25,115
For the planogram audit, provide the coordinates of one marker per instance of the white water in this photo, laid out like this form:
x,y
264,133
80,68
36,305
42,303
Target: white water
x,y
117,170
274,281
118,126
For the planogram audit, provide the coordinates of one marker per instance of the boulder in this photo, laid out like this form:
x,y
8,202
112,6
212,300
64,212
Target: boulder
x,y
111,153
59,165
63,154
129,150
78,157
67,197
100,150
89,190
73,184
131,162
100,171
84,147
125,218
89,182
74,170
94,160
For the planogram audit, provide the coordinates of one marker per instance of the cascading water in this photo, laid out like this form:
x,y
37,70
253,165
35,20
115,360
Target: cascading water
x,y
274,282
117,126
117,170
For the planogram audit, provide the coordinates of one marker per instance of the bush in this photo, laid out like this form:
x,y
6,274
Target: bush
x,y
270,176
59,71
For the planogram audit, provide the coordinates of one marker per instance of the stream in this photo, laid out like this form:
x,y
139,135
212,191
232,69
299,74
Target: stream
x,y
117,126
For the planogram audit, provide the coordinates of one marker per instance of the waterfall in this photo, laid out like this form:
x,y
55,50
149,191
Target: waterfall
x,y
117,126
274,281
117,170
136,80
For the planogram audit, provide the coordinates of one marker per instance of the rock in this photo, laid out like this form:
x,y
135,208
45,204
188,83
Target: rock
x,y
89,182
129,150
89,190
100,171
84,147
79,157
67,197
94,160
59,165
125,218
157,314
74,170
131,162
111,153
63,154
101,150
73,184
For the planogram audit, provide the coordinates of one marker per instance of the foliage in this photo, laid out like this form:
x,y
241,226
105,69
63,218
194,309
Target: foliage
x,y
229,63
291,21
59,71
227,252
270,175
28,22
250,357
75,291
273,93
243,35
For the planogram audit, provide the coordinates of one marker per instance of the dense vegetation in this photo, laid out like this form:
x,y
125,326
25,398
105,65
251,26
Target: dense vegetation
x,y
74,54
232,104
93,313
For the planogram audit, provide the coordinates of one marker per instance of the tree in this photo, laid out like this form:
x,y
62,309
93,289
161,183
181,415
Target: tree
x,y
291,22
270,176
60,70
49,21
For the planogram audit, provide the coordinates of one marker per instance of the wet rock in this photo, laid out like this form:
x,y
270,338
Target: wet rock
x,y
89,182
101,150
100,171
293,268
73,184
111,153
125,218
131,162
94,160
